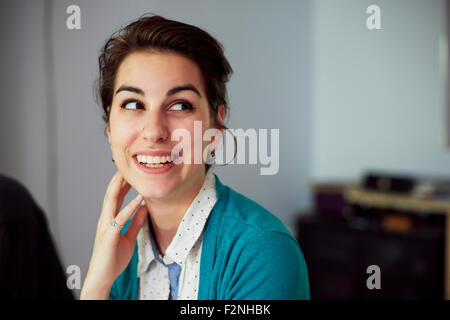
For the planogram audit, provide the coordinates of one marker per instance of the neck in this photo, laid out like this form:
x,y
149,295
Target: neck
x,y
166,214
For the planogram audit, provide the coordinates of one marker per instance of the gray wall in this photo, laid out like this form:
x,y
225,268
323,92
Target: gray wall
x,y
25,121
378,95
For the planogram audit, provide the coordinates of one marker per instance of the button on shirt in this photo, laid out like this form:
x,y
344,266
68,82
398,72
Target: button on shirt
x,y
176,275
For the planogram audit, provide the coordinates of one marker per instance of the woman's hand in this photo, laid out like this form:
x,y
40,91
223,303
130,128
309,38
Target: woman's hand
x,y
112,250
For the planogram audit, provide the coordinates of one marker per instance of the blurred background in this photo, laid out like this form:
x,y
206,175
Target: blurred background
x,y
362,114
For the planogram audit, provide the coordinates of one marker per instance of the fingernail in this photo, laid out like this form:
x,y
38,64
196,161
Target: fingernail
x,y
138,197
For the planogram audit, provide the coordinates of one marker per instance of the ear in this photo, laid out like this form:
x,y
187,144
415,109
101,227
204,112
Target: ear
x,y
221,116
220,122
108,130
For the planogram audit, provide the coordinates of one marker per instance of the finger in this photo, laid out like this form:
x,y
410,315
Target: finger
x,y
125,214
136,224
111,182
124,188
110,189
114,196
104,213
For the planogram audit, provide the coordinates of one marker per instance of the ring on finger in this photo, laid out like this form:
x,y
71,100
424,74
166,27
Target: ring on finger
x,y
115,224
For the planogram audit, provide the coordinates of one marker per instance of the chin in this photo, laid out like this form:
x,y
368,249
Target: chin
x,y
154,190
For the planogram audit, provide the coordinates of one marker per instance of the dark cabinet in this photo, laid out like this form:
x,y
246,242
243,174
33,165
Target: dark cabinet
x,y
338,253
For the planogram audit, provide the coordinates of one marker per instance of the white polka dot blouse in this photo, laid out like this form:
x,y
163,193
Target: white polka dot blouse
x,y
176,275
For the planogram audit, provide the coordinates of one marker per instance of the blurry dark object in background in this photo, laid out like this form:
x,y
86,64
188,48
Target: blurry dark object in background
x,y
433,188
389,183
29,265
392,221
424,187
329,199
396,223
338,253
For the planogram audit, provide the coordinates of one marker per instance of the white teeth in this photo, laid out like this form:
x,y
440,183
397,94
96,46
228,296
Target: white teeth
x,y
154,165
153,160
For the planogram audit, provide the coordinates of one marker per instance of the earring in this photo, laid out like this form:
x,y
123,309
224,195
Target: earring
x,y
210,157
112,160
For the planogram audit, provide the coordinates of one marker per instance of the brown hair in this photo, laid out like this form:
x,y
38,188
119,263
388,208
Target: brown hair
x,y
157,33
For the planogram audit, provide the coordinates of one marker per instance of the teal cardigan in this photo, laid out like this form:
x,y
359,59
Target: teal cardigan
x,y
247,254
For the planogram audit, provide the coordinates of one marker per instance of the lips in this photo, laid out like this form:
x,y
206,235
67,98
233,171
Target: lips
x,y
153,168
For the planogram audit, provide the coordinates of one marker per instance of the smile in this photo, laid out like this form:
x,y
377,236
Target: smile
x,y
154,162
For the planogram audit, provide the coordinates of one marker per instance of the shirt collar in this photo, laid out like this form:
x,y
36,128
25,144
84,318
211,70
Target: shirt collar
x,y
188,232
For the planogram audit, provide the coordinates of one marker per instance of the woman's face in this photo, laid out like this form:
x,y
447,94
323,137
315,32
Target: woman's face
x,y
156,93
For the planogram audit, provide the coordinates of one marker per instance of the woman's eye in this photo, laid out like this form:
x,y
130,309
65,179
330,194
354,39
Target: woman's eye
x,y
180,106
132,105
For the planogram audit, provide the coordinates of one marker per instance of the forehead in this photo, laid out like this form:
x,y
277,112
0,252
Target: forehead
x,y
154,71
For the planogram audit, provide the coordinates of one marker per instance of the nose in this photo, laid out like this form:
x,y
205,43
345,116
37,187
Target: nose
x,y
155,128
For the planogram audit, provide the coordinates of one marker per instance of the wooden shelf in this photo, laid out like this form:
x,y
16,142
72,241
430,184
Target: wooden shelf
x,y
358,195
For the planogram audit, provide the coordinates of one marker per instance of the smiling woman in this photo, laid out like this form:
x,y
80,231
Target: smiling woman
x,y
142,120
194,238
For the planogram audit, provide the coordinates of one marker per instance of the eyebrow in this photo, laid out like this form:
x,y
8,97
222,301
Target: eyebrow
x,y
131,89
181,88
169,93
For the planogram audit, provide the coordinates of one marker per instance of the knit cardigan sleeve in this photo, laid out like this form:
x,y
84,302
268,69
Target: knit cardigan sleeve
x,y
271,266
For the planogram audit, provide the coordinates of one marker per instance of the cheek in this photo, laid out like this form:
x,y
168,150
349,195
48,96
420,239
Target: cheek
x,y
195,130
122,135
182,135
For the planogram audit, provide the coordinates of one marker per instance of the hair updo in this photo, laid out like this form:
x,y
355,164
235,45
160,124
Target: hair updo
x,y
164,35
